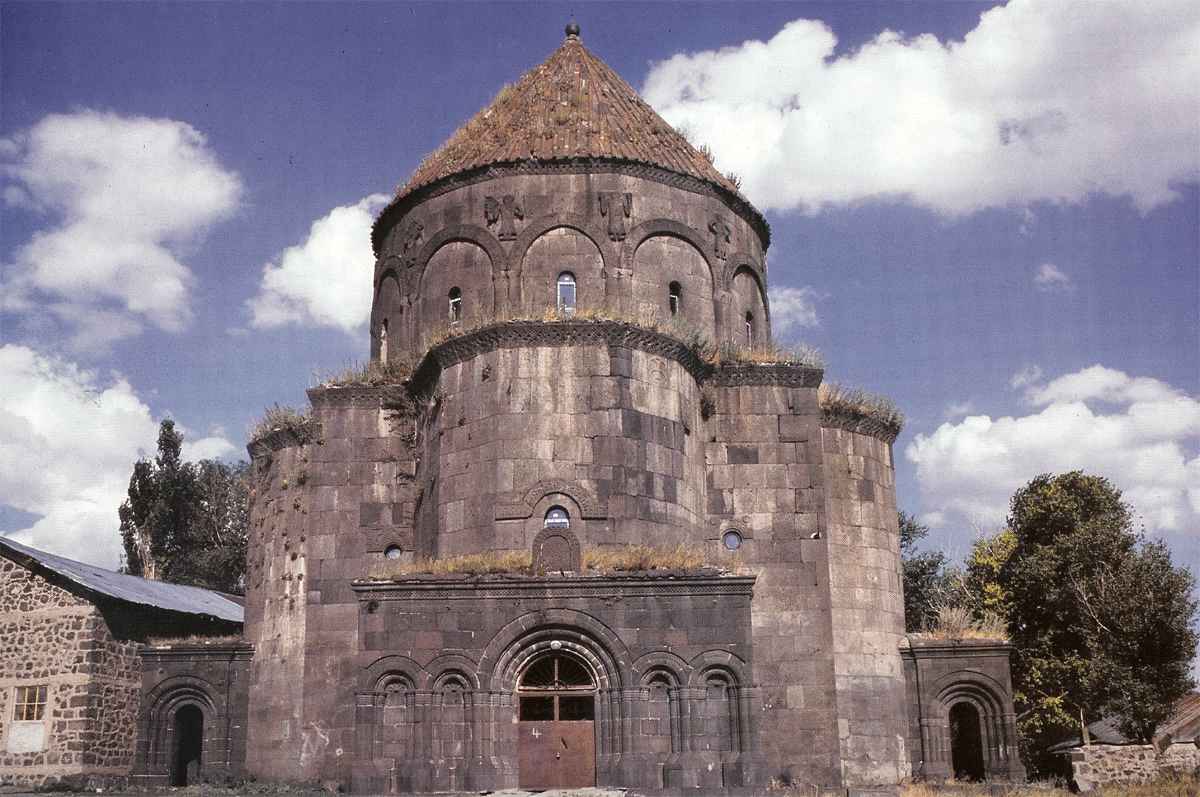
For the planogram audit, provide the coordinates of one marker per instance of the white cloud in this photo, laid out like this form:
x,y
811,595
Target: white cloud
x,y
325,281
1043,100
792,309
1027,376
129,196
1141,433
1050,278
68,441
957,409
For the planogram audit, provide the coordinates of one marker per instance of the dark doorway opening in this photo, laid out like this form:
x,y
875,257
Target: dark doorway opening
x,y
966,743
556,709
189,742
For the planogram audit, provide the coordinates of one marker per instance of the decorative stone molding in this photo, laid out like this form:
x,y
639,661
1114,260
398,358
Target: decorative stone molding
x,y
671,228
556,551
860,424
773,374
277,439
364,396
398,208
514,587
538,227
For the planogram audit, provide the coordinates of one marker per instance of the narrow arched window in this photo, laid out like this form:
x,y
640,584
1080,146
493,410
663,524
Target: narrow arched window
x,y
566,293
557,518
674,296
383,341
455,306
750,330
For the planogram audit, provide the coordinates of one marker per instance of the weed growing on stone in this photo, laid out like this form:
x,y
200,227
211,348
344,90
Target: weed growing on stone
x,y
841,403
281,417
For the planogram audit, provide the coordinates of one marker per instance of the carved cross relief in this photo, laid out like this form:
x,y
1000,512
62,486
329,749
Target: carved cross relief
x,y
504,211
616,207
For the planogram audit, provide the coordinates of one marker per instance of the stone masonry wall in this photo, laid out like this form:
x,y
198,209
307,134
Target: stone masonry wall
x,y
764,480
605,431
322,512
1100,765
866,607
50,637
415,302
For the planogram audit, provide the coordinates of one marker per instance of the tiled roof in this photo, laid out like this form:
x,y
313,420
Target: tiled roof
x,y
571,106
130,589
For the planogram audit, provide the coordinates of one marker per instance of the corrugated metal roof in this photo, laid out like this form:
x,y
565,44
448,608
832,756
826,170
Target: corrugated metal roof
x,y
131,589
573,105
1183,726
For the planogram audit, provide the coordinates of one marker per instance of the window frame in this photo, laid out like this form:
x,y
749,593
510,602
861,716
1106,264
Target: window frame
x,y
23,706
455,298
566,278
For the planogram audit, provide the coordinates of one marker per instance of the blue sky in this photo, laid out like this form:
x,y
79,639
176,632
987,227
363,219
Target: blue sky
x,y
988,214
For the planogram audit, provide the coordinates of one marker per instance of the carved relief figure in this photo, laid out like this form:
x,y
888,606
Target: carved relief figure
x,y
616,207
503,211
410,240
721,233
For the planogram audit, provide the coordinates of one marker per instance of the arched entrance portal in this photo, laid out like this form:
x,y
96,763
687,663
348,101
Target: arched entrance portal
x,y
556,708
189,742
966,742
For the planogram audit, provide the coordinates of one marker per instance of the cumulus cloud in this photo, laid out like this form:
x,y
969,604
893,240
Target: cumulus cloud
x,y
1027,376
325,281
68,441
1141,433
792,309
1043,100
129,196
1050,279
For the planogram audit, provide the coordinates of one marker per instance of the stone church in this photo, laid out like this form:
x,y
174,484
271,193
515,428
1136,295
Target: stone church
x,y
573,373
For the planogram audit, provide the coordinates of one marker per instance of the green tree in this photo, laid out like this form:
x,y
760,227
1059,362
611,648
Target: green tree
x,y
186,523
924,575
1102,622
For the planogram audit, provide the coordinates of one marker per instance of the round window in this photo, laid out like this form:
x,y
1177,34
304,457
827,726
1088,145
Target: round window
x,y
393,552
732,540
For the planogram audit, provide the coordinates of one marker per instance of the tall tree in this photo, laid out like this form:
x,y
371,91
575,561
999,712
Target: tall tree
x,y
186,523
924,575
1102,622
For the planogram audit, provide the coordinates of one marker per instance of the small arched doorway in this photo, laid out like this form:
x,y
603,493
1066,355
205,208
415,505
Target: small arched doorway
x,y
556,709
966,742
189,745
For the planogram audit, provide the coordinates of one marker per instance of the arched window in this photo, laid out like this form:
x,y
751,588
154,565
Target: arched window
x,y
556,687
383,341
566,293
557,518
674,297
455,306
749,329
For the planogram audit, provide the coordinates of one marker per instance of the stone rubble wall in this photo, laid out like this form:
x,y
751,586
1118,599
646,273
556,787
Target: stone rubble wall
x,y
1099,765
50,637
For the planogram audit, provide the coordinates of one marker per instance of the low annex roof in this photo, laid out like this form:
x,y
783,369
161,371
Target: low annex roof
x,y
1182,726
571,106
130,589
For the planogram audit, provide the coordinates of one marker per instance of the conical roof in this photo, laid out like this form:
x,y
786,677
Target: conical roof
x,y
571,106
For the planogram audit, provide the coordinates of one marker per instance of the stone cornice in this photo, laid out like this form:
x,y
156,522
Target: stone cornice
x,y
398,207
194,650
924,648
529,333
506,587
860,424
282,437
774,374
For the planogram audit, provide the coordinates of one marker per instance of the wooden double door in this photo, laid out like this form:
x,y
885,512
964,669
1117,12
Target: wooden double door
x,y
557,730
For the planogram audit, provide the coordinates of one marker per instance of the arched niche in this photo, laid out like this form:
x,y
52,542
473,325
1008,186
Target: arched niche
x,y
666,265
462,270
387,318
748,317
557,251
